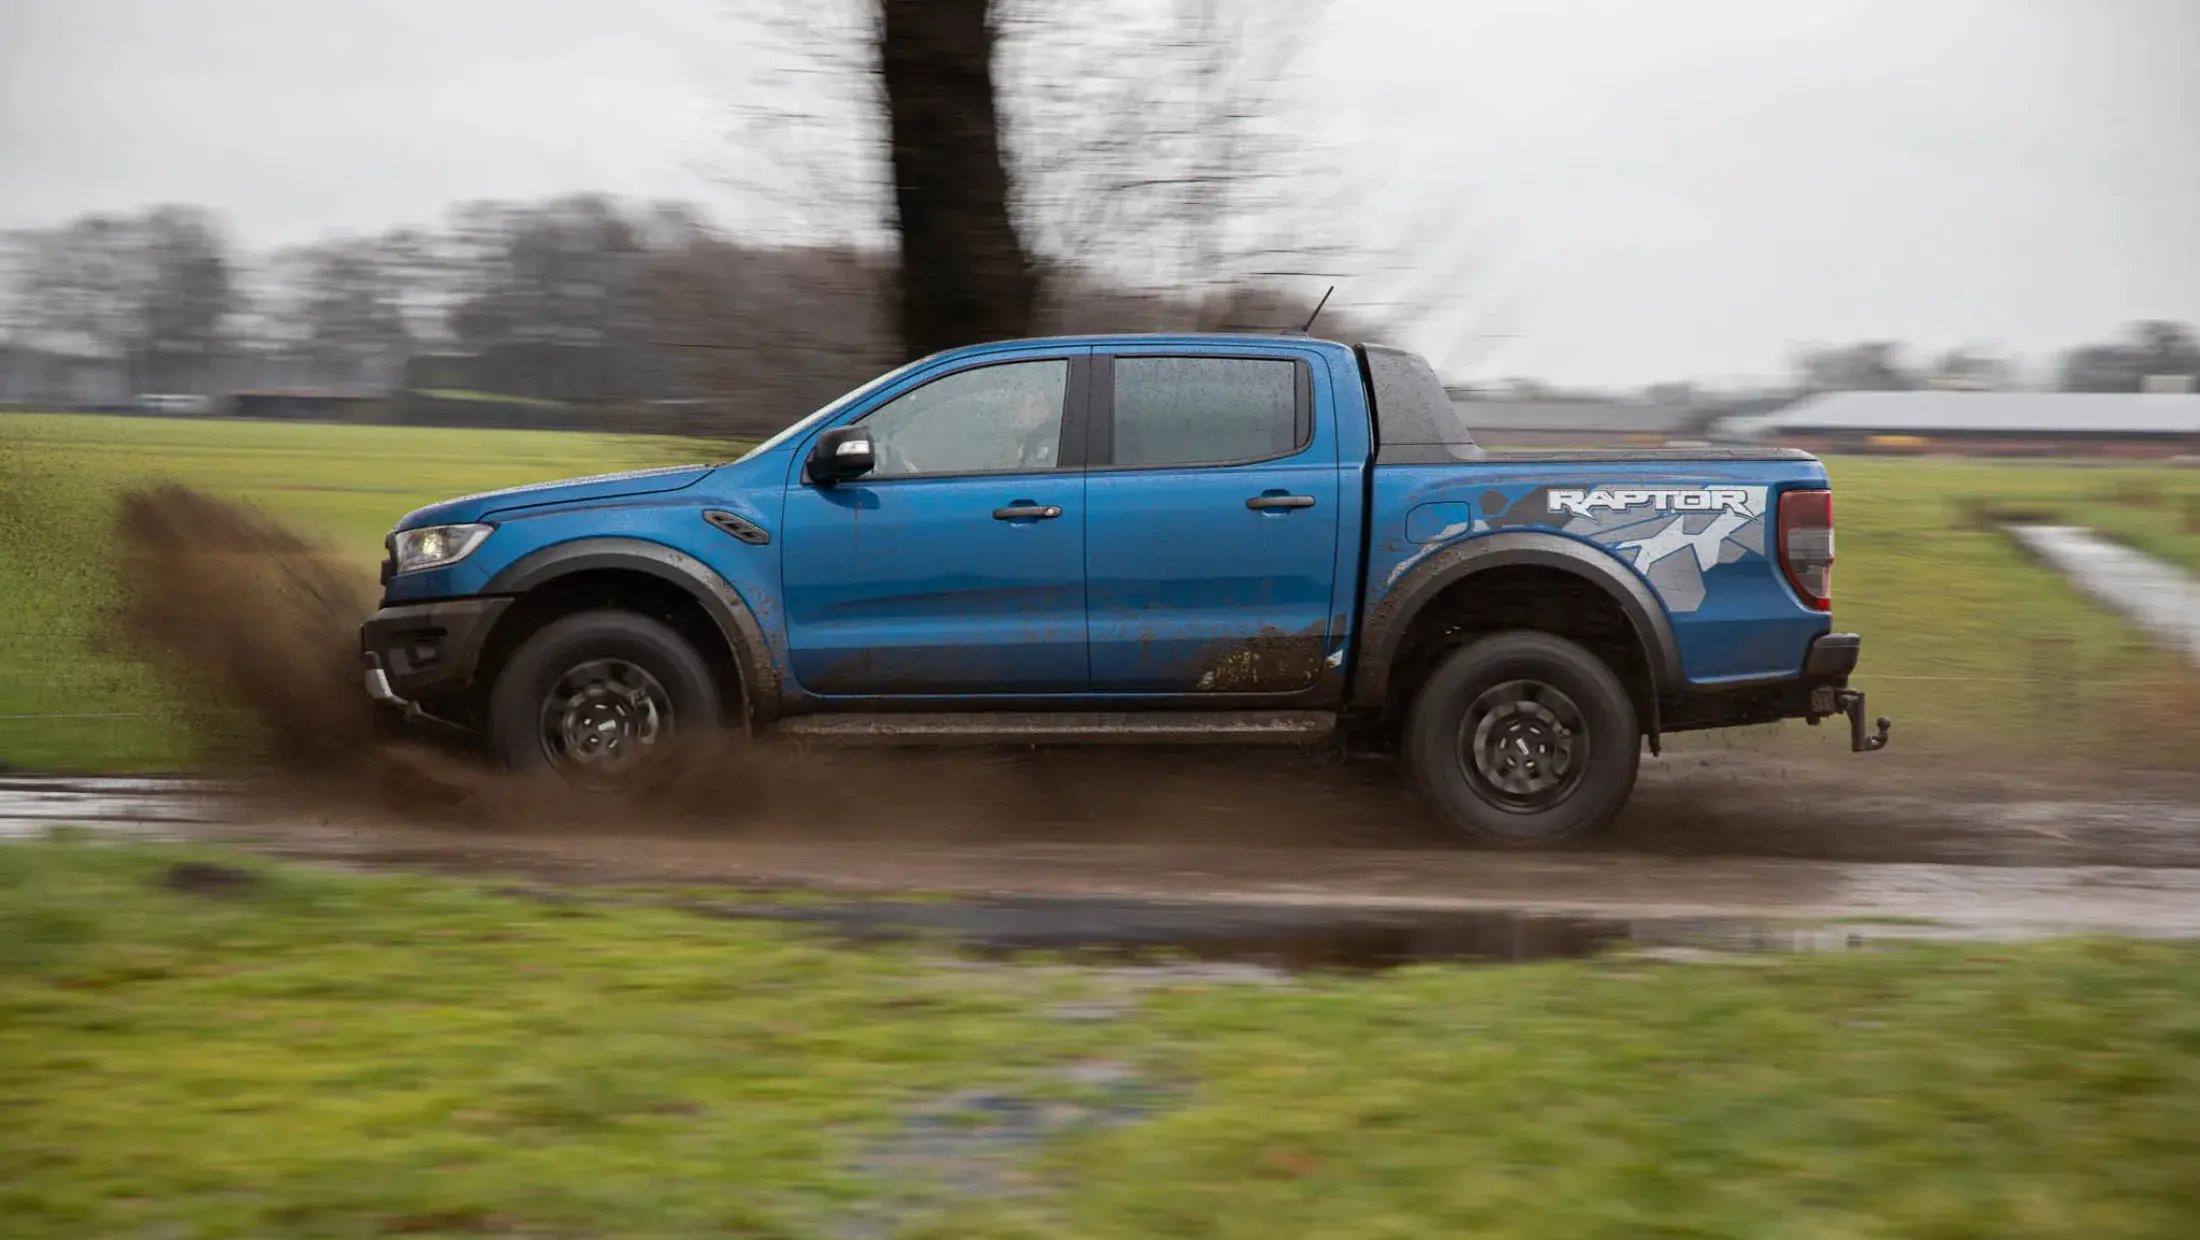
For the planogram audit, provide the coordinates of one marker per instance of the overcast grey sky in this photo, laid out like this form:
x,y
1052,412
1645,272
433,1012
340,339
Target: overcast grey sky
x,y
1642,190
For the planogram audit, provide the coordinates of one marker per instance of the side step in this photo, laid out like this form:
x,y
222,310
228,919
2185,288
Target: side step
x,y
1033,727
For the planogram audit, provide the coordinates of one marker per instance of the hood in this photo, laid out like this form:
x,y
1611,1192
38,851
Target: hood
x,y
469,508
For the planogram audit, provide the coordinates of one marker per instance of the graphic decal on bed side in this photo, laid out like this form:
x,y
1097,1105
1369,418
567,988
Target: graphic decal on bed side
x,y
1672,535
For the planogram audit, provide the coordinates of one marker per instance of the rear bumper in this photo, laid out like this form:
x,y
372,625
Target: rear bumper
x,y
426,650
1819,690
1827,666
1832,658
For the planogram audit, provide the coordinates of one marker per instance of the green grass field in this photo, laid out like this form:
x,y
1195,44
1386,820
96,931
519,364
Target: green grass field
x,y
330,1055
346,484
2160,516
1967,642
1965,636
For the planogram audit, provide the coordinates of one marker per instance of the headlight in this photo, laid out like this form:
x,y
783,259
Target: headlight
x,y
432,546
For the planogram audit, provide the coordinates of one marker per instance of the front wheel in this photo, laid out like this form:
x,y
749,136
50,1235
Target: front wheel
x,y
1523,739
596,695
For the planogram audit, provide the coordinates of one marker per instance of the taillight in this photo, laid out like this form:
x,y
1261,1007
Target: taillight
x,y
1806,545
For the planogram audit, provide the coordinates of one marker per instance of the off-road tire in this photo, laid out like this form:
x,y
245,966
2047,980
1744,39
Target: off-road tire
x,y
1565,683
516,708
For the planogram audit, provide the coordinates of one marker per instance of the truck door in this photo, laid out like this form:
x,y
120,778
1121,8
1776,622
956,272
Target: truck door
x,y
1212,513
957,565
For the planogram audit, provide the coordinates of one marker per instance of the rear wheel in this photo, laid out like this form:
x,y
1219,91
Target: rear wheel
x,y
597,695
1523,739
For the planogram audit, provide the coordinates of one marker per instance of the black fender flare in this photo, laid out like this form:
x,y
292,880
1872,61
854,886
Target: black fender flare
x,y
737,623
1392,617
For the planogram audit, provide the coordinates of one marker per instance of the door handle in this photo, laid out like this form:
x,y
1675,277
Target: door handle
x,y
1027,512
1261,502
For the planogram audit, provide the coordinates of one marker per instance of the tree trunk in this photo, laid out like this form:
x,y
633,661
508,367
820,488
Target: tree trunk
x,y
964,275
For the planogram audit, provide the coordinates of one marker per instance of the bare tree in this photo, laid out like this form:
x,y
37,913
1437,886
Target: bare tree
x,y
1869,366
150,294
1172,149
552,298
1155,176
1969,368
352,311
1152,153
70,298
2152,351
964,273
188,294
756,336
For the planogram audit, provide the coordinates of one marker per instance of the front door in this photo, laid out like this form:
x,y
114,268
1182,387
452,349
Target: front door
x,y
957,565
1212,537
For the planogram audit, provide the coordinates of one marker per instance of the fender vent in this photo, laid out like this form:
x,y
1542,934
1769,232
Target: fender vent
x,y
740,527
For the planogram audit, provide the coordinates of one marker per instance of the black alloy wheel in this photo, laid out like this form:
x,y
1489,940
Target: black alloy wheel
x,y
595,696
1523,739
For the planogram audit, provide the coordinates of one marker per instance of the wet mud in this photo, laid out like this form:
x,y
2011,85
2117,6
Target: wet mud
x,y
256,624
1271,661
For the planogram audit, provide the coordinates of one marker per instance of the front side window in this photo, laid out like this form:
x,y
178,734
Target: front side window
x,y
994,419
1204,410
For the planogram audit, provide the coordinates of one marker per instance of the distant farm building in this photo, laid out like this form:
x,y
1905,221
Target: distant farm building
x,y
1509,423
1983,423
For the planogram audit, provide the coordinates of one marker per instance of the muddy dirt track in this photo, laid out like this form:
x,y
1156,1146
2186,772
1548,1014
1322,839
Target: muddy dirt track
x,y
1721,835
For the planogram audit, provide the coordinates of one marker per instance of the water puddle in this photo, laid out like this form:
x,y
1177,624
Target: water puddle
x,y
2155,594
2027,868
29,807
1289,938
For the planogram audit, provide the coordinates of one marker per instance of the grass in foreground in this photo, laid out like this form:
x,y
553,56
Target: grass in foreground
x,y
344,1056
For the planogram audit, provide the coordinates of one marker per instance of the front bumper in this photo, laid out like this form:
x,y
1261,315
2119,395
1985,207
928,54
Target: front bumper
x,y
426,650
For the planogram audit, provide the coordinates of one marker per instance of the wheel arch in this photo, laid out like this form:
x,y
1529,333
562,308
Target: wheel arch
x,y
1393,618
751,665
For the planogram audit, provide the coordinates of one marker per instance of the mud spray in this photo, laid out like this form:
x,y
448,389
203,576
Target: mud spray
x,y
257,625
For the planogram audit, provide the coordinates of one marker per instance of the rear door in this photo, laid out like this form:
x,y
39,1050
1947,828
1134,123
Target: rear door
x,y
1211,523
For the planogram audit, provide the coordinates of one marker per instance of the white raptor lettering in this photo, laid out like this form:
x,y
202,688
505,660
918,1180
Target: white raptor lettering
x,y
1582,503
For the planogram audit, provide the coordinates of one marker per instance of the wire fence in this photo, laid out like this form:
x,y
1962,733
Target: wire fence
x,y
68,704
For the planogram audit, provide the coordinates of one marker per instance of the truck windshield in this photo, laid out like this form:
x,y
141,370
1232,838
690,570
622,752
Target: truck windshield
x,y
835,406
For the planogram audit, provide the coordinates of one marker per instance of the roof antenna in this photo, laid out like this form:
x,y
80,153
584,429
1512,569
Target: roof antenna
x,y
1317,312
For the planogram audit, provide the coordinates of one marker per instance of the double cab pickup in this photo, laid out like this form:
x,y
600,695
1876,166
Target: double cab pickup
x,y
1175,539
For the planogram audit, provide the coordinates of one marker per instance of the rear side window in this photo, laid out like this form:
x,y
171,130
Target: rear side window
x,y
1204,410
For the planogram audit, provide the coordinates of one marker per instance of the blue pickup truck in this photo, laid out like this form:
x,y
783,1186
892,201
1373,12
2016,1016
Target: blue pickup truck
x,y
1150,539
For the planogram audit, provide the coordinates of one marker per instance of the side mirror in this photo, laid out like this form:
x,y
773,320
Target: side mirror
x,y
841,454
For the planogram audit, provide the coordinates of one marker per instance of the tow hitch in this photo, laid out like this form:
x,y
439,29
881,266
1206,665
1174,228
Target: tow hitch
x,y
1826,700
1852,705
